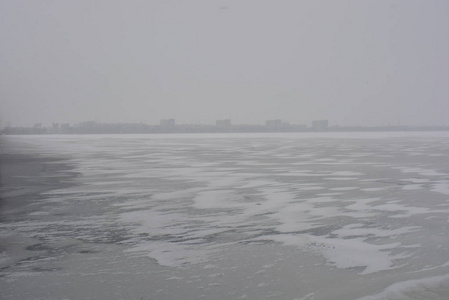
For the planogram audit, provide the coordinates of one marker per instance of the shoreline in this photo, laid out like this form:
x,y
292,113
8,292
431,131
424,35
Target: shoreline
x,y
275,131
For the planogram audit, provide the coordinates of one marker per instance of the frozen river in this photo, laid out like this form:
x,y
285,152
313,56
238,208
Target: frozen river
x,y
331,216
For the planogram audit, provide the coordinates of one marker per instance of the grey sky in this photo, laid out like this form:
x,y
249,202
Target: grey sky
x,y
352,62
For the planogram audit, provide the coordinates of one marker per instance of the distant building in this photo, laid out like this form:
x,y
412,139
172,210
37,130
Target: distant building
x,y
65,128
320,124
223,123
55,128
167,122
273,123
276,123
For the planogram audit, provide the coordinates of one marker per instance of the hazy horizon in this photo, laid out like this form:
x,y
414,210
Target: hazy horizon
x,y
366,63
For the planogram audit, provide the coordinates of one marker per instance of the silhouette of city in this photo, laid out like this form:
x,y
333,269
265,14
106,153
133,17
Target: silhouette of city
x,y
221,126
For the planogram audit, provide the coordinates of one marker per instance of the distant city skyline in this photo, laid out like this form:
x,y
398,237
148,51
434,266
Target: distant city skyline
x,y
310,123
217,122
354,63
220,126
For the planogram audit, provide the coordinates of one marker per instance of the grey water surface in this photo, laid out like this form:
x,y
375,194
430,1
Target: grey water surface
x,y
238,216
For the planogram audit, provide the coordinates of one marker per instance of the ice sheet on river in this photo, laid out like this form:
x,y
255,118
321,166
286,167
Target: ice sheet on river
x,y
363,206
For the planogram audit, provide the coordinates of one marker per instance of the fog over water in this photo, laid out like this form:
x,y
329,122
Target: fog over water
x,y
303,215
351,62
